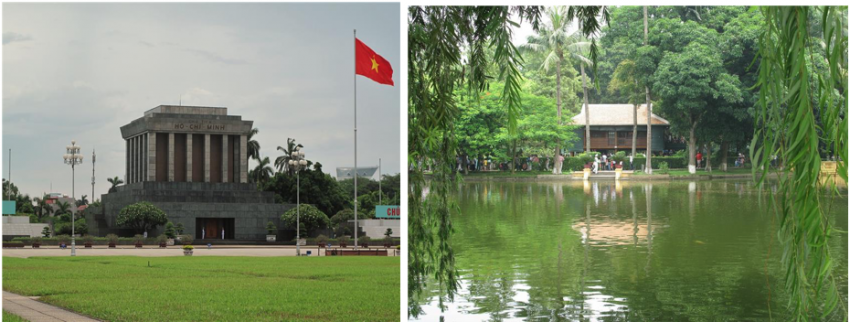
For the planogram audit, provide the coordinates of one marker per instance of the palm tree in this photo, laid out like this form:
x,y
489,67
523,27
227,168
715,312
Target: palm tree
x,y
83,201
253,145
47,210
282,162
557,45
115,182
263,172
626,81
648,101
63,208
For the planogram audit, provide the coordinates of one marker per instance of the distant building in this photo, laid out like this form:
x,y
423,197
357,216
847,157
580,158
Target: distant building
x,y
20,226
343,173
611,129
192,163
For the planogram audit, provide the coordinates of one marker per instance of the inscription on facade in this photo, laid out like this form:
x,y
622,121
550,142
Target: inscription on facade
x,y
199,126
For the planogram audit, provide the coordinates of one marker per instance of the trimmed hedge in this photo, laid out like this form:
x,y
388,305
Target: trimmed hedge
x,y
79,241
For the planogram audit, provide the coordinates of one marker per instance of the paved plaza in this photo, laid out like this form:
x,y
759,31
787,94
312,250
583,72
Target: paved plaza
x,y
35,311
153,251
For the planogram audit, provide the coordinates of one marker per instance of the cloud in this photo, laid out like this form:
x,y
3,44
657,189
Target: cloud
x,y
145,43
216,57
10,37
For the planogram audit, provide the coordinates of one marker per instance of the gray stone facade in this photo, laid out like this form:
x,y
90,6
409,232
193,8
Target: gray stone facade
x,y
165,167
184,202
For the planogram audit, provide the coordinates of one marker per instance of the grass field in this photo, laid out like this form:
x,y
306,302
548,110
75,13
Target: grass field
x,y
213,288
9,317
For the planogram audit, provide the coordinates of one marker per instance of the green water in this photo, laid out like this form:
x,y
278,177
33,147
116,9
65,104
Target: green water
x,y
639,251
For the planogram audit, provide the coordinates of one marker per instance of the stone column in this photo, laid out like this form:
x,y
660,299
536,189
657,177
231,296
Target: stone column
x,y
151,160
127,163
224,157
188,157
243,158
171,157
133,155
206,158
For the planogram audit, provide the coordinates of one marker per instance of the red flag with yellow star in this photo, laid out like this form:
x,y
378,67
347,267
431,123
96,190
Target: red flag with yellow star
x,y
372,65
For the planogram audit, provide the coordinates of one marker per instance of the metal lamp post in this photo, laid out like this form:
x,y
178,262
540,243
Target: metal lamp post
x,y
73,157
297,162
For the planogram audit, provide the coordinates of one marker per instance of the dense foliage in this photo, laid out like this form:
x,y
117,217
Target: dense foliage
x,y
311,219
141,217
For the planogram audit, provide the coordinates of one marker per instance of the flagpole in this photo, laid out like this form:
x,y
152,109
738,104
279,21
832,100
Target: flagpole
x,y
355,138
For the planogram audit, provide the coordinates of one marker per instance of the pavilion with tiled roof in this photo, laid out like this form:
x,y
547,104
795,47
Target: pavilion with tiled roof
x,y
611,128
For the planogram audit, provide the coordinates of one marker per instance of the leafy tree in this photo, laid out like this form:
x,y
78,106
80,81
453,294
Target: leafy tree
x,y
115,182
800,108
317,188
141,217
179,228
45,232
691,85
341,217
311,218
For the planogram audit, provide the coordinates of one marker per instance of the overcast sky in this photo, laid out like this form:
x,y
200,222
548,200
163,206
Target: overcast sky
x,y
81,71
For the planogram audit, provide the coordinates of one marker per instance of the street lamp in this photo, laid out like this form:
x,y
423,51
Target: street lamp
x,y
297,162
73,157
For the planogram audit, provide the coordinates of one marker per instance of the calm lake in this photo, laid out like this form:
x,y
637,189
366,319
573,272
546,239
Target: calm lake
x,y
634,251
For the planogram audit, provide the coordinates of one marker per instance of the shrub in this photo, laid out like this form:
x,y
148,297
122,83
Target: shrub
x,y
363,240
270,227
663,168
141,216
45,232
343,239
619,157
112,238
188,247
322,239
311,219
169,230
388,240
36,240
161,239
179,228
138,238
64,239
188,239
88,239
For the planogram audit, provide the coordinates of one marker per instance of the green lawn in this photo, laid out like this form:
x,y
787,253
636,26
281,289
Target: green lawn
x,y
9,317
213,288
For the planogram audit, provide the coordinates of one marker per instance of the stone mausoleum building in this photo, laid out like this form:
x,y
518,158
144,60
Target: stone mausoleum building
x,y
191,162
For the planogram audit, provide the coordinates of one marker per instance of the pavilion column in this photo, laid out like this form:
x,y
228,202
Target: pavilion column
x,y
188,157
224,157
206,158
243,158
151,160
171,157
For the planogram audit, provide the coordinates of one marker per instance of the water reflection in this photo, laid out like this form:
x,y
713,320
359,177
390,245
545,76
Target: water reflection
x,y
603,251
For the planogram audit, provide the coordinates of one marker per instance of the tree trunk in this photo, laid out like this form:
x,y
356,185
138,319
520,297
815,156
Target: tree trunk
x,y
558,101
708,157
634,131
724,155
586,108
648,102
692,147
513,156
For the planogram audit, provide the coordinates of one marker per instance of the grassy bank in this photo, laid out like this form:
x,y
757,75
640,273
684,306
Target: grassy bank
x,y
213,288
9,317
715,172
